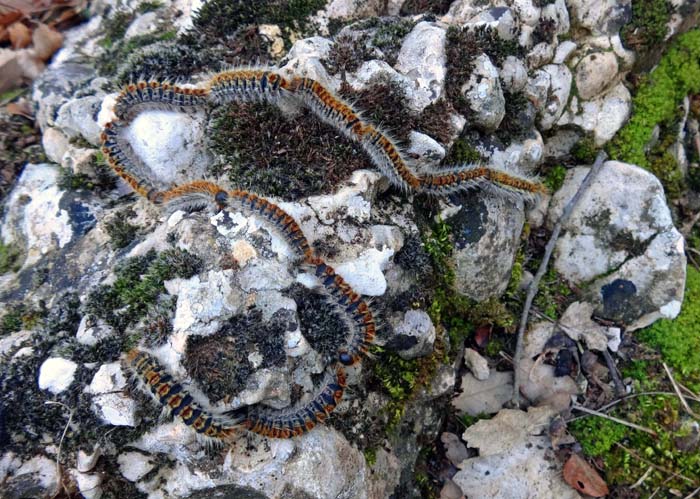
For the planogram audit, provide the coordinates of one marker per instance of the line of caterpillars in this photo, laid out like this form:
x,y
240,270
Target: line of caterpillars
x,y
260,84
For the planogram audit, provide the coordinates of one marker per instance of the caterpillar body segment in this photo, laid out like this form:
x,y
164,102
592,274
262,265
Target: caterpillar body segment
x,y
353,308
172,395
301,420
241,85
470,176
158,94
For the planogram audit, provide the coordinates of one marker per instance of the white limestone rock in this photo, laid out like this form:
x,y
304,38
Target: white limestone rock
x,y
476,363
484,94
557,95
422,59
594,73
417,332
56,374
109,402
513,74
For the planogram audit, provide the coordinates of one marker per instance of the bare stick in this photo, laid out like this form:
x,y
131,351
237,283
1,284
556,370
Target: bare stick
x,y
619,386
532,288
616,420
693,494
677,389
60,443
642,478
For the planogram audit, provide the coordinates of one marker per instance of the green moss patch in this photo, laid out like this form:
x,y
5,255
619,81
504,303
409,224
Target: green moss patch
x,y
656,103
10,258
648,26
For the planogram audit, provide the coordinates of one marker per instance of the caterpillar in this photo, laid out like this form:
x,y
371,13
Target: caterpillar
x,y
171,394
180,403
249,84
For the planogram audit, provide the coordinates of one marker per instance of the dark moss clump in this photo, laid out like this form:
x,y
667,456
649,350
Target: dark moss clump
x,y
319,322
554,178
435,120
584,151
462,152
519,118
266,152
138,284
648,26
437,7
463,45
20,143
19,316
347,54
545,31
233,24
389,36
220,362
383,102
120,231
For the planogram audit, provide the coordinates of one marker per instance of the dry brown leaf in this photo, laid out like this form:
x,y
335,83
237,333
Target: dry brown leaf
x,y
20,108
581,476
20,35
46,41
10,70
7,18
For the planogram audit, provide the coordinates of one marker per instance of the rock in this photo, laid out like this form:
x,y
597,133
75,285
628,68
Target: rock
x,y
88,484
478,365
484,95
621,229
91,332
304,59
109,402
86,462
518,464
375,70
56,86
499,19
542,387
142,25
56,374
450,490
170,145
603,116
55,144
350,9
417,330
34,217
273,34
14,341
513,74
559,145
484,397
428,151
422,59
487,233
556,12
455,450
539,55
134,465
77,118
578,325
527,11
594,73
564,51
601,17
557,95
37,477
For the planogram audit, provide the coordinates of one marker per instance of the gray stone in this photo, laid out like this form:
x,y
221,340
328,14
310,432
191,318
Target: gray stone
x,y
564,51
36,477
487,233
603,116
499,19
594,73
557,95
422,59
55,144
484,95
427,151
557,12
455,450
513,74
477,364
417,330
527,12
601,17
539,55
109,402
78,118
622,229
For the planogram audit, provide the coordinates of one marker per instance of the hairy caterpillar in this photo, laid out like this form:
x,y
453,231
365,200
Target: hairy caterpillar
x,y
265,84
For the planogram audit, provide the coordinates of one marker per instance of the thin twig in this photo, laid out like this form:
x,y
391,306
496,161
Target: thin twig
x,y
619,385
532,288
693,494
656,466
616,420
642,478
677,389
60,443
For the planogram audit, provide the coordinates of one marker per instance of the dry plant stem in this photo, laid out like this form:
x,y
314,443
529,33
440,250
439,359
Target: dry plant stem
x,y
60,443
642,478
677,389
619,386
616,420
532,289
693,494
656,466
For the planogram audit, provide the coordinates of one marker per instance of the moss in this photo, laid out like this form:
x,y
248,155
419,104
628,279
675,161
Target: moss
x,y
553,295
462,152
123,58
115,28
657,98
120,231
555,178
389,37
370,456
148,6
648,26
667,170
434,120
10,258
138,284
584,151
679,340
413,7
347,54
597,436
